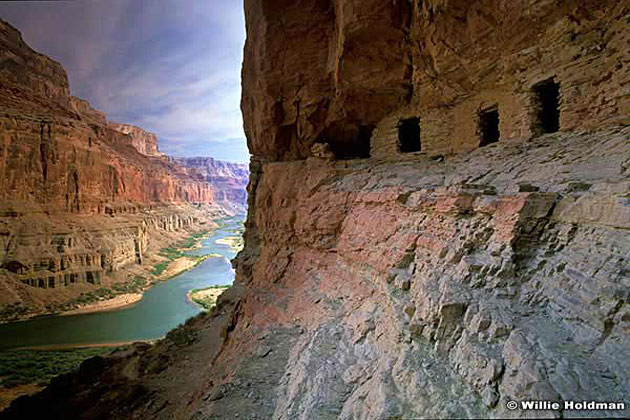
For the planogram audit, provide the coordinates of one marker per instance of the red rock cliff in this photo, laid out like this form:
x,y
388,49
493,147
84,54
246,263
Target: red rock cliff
x,y
229,180
60,153
339,71
476,254
143,141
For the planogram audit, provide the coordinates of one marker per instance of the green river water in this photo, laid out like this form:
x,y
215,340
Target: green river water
x,y
162,308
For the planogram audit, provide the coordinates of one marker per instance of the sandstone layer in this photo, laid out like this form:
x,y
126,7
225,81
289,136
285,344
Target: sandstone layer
x,y
229,180
441,282
82,198
142,140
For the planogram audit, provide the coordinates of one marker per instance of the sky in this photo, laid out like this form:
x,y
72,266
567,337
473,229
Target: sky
x,y
169,66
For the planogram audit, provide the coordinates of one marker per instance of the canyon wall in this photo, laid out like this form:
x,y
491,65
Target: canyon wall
x,y
229,180
337,72
456,267
80,197
143,141
475,255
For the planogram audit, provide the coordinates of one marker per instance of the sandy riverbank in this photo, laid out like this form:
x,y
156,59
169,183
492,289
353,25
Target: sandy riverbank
x,y
234,242
175,268
179,266
116,302
55,347
208,296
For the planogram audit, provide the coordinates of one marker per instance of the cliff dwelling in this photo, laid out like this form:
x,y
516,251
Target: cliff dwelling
x,y
547,105
489,126
357,148
409,135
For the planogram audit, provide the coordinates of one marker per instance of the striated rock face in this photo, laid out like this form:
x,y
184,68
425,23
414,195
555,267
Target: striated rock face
x,y
418,289
80,197
477,254
47,260
143,141
228,180
85,110
64,165
432,290
20,65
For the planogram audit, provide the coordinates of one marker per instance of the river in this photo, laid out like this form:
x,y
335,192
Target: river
x,y
163,307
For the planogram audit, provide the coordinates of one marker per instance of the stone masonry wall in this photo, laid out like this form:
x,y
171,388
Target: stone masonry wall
x,y
473,56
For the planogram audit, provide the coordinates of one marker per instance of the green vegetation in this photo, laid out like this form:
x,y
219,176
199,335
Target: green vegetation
x,y
174,252
182,336
185,334
235,242
12,311
170,253
237,230
137,285
191,240
84,299
206,301
21,367
159,268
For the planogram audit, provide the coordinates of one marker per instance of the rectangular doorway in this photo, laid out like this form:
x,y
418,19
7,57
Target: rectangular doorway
x,y
489,126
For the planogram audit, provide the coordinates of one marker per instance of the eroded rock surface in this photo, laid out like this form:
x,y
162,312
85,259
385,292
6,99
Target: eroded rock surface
x,y
229,180
142,140
416,289
338,71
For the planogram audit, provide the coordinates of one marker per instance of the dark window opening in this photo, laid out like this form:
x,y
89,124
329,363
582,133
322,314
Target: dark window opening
x,y
357,148
409,135
489,126
547,96
15,267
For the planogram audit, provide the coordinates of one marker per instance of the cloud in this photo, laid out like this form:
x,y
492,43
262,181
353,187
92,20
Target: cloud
x,y
169,66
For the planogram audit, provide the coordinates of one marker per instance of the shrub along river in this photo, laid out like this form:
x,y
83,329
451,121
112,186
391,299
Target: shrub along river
x,y
163,307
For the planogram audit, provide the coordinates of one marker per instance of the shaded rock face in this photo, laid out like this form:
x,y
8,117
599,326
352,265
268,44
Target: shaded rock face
x,y
408,289
442,279
80,198
228,180
20,65
143,141
435,290
328,71
438,281
318,70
